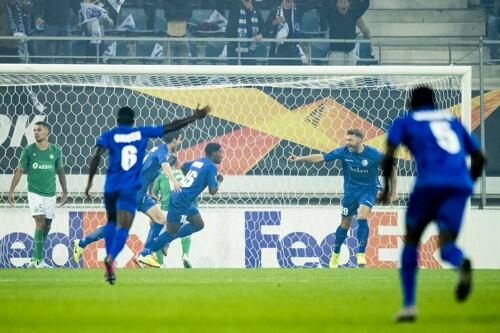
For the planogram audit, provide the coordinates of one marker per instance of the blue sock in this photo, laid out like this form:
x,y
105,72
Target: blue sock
x,y
363,232
408,274
154,231
452,254
121,236
109,235
159,243
340,236
98,234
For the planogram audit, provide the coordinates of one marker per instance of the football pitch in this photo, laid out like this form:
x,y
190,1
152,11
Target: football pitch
x,y
222,300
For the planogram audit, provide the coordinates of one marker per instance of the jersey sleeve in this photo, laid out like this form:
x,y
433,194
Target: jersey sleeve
x,y
395,135
103,140
471,144
162,154
24,160
185,167
334,155
212,177
152,131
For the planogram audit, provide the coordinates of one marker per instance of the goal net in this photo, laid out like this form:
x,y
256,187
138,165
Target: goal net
x,y
260,116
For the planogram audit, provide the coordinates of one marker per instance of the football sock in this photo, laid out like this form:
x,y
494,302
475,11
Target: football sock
x,y
186,245
340,236
408,274
452,254
98,234
38,248
109,235
154,231
363,232
46,229
160,257
119,241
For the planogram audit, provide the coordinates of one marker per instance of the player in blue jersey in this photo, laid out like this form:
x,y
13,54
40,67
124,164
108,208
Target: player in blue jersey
x,y
201,174
156,161
126,145
360,166
439,144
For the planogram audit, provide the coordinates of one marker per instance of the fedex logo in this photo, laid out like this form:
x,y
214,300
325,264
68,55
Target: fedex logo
x,y
262,233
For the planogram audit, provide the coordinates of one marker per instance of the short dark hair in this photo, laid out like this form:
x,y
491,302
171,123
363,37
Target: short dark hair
x,y
356,132
170,136
172,159
422,97
125,116
44,124
212,148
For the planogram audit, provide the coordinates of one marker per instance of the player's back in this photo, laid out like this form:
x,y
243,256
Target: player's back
x,y
151,166
201,173
126,145
439,143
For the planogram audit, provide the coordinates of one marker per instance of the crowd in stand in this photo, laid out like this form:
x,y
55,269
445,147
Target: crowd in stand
x,y
249,19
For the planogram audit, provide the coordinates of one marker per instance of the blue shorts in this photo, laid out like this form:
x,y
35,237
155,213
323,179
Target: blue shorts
x,y
123,199
352,200
144,200
176,210
445,205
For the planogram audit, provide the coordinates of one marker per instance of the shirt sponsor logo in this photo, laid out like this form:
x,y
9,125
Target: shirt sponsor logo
x,y
41,166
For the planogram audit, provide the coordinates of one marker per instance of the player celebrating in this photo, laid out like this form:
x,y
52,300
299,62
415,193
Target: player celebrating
x,y
360,165
202,173
162,189
439,143
41,160
155,161
126,145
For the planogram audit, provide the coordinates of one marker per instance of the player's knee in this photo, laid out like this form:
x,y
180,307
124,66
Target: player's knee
x,y
40,222
199,225
172,228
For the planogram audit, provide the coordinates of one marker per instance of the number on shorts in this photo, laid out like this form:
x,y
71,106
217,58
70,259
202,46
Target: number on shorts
x,y
446,138
345,211
129,157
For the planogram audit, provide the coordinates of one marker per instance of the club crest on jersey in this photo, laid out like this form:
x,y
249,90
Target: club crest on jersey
x,y
364,162
51,156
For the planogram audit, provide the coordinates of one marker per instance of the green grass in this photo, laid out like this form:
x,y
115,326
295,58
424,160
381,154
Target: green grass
x,y
266,300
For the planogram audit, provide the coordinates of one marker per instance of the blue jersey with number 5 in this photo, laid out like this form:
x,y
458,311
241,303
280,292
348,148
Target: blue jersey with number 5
x,y
201,173
126,145
439,143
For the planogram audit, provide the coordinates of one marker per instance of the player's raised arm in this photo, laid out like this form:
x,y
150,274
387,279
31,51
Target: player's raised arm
x,y
198,113
313,158
94,164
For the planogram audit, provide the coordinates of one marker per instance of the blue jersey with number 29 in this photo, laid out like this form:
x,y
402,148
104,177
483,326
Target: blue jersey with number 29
x,y
439,143
126,145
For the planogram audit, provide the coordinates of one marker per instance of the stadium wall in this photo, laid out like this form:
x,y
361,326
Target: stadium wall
x,y
251,238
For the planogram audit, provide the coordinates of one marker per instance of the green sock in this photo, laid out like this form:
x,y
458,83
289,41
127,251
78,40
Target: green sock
x,y
186,245
38,248
46,230
159,256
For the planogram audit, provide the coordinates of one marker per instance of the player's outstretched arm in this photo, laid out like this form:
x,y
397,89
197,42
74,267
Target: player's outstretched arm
x,y
15,180
198,113
313,158
388,170
94,164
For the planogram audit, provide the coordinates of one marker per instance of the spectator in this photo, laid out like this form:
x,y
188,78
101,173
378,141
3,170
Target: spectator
x,y
245,21
20,21
342,17
218,5
91,17
54,16
492,24
177,14
283,22
8,48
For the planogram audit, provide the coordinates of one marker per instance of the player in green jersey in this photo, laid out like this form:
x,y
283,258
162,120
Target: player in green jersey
x,y
41,161
161,191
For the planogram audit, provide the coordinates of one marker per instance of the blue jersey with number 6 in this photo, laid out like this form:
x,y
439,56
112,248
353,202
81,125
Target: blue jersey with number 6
x,y
439,143
126,145
202,173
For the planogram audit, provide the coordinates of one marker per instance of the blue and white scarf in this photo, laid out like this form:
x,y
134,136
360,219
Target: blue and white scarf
x,y
282,31
22,23
242,28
